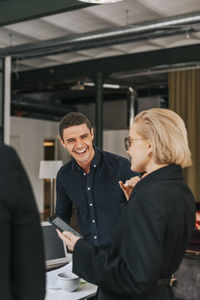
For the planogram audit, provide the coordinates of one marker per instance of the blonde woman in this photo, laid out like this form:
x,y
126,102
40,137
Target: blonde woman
x,y
155,226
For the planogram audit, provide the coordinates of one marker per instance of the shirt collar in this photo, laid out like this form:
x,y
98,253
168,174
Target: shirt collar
x,y
95,161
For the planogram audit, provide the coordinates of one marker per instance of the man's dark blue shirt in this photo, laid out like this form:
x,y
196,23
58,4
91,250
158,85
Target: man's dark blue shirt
x,y
96,196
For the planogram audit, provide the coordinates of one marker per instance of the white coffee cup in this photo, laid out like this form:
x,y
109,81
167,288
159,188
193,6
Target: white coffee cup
x,y
68,281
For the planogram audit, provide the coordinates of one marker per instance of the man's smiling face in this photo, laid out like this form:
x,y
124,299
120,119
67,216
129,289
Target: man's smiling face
x,y
78,142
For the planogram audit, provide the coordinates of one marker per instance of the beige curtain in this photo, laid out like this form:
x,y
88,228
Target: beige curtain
x,y
184,98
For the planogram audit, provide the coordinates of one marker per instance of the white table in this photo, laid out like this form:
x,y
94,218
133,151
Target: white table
x,y
53,292
86,290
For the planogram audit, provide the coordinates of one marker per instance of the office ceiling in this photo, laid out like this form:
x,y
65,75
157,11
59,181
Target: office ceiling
x,y
64,35
95,18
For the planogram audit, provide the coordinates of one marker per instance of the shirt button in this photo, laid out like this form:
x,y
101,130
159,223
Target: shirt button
x,y
95,237
91,204
88,188
93,221
94,166
84,174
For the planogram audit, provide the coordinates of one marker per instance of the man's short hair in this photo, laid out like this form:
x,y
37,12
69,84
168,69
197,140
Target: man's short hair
x,y
73,119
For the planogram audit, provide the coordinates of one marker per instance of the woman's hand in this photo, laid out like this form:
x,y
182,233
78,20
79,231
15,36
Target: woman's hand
x,y
68,238
128,186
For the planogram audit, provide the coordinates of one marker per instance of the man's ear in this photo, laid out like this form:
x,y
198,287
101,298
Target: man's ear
x,y
62,142
92,133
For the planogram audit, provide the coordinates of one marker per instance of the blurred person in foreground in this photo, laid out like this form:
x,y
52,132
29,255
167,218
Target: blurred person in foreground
x,y
155,226
22,270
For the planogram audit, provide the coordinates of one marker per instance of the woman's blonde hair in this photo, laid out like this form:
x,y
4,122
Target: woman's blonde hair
x,y
167,135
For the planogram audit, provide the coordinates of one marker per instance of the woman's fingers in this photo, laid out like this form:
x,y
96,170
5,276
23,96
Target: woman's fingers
x,y
68,238
121,184
126,189
128,186
133,181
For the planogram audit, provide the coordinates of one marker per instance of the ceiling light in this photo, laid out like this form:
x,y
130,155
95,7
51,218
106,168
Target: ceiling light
x,y
105,85
100,1
111,86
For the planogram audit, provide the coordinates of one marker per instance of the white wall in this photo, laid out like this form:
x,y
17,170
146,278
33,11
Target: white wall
x,y
113,141
27,136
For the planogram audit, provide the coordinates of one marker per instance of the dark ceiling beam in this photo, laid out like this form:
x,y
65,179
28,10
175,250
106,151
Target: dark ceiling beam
x,y
23,10
40,106
109,65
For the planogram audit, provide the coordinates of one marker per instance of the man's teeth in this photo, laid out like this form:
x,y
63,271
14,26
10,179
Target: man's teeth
x,y
81,151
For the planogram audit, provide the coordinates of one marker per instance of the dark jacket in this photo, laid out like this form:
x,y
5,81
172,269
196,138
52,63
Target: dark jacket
x,y
149,242
22,272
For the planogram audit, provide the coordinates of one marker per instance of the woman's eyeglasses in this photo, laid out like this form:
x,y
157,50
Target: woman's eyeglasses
x,y
128,141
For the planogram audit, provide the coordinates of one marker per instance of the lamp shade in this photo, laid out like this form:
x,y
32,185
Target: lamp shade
x,y
49,168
